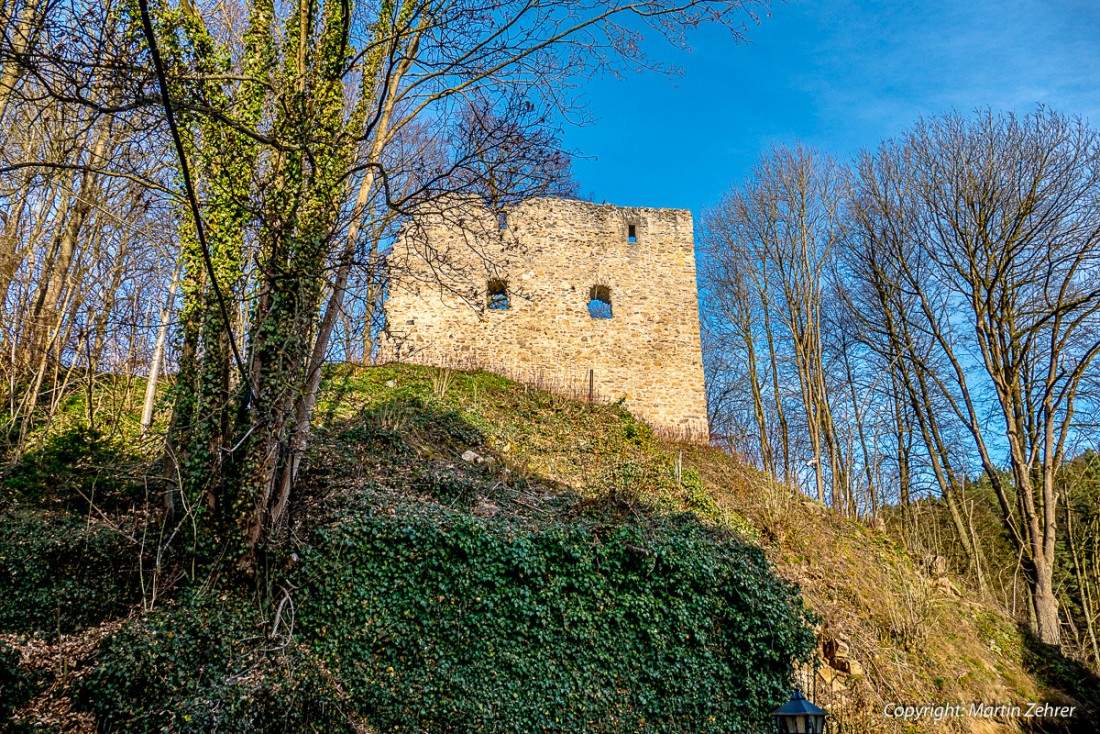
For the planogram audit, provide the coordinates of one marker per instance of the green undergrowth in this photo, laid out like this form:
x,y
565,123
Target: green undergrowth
x,y
436,620
16,685
423,591
70,525
60,574
466,554
77,470
207,665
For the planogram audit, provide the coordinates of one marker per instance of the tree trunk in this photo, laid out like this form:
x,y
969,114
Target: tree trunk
x,y
303,408
21,36
57,279
1047,625
158,352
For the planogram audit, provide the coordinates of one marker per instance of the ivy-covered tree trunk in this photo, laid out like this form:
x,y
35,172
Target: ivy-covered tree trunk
x,y
224,161
238,395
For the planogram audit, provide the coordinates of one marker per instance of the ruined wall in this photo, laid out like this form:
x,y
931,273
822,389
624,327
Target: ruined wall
x,y
549,256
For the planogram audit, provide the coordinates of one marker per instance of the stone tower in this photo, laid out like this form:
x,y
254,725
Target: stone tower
x,y
588,299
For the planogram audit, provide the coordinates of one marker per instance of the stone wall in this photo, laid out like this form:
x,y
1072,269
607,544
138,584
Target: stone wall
x,y
548,256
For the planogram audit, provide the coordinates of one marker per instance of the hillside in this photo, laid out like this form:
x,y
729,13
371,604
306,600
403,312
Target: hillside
x,y
503,469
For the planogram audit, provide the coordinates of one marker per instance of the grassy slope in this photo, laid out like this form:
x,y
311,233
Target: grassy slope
x,y
916,638
400,431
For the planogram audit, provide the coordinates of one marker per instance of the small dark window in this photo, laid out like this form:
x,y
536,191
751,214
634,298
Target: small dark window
x,y
498,295
631,233
502,220
599,302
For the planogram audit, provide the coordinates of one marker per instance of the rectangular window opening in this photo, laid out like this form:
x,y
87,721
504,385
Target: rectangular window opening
x,y
498,295
599,302
631,233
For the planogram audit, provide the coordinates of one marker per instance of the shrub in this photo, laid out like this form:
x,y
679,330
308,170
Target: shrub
x,y
73,468
207,667
444,622
16,685
60,574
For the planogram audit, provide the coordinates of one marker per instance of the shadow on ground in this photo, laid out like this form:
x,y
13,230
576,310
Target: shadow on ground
x,y
1079,685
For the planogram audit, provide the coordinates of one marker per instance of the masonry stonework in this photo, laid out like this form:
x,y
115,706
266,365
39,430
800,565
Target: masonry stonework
x,y
511,294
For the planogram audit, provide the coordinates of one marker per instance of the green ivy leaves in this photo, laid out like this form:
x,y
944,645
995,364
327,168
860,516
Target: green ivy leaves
x,y
438,621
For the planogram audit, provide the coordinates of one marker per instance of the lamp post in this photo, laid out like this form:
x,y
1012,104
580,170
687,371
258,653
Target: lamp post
x,y
799,716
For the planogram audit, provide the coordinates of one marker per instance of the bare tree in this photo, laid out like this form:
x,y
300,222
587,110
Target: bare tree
x,y
884,266
768,250
82,212
995,259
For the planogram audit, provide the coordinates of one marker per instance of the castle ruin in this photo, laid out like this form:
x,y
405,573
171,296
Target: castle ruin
x,y
589,299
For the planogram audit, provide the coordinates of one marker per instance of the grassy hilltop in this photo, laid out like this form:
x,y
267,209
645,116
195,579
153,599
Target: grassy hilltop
x,y
470,554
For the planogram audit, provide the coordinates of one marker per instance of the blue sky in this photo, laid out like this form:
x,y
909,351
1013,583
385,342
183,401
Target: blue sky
x,y
837,74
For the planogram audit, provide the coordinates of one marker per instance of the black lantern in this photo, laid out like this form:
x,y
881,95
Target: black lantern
x,y
799,716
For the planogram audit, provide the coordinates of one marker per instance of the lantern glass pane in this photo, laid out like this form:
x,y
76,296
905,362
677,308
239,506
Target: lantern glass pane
x,y
793,724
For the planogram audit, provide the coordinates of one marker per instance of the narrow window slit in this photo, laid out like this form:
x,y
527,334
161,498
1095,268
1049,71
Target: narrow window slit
x,y
631,233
